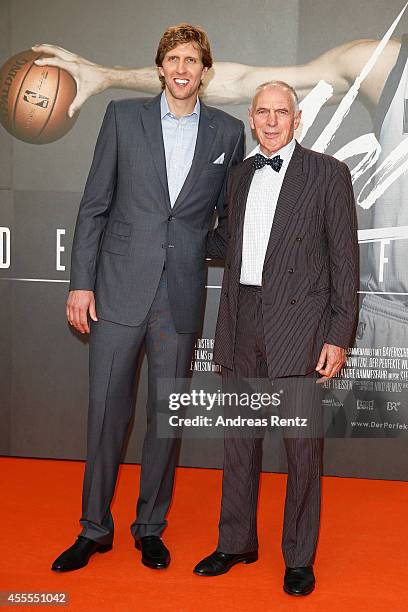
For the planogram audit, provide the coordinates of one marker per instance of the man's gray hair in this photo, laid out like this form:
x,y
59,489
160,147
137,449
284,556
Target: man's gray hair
x,y
282,84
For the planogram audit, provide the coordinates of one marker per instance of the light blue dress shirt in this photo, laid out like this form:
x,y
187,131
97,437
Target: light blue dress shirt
x,y
179,137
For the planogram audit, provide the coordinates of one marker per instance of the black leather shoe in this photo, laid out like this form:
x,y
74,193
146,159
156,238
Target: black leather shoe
x,y
154,553
220,563
78,555
299,580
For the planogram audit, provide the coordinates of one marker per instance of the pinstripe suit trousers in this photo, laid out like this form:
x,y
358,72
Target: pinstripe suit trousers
x,y
243,455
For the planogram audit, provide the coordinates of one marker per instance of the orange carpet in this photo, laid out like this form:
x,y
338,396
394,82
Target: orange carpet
x,y
361,562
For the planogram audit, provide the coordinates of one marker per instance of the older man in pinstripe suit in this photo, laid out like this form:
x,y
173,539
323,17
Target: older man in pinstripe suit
x,y
288,310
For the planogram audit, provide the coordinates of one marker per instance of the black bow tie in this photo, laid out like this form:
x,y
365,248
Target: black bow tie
x,y
275,162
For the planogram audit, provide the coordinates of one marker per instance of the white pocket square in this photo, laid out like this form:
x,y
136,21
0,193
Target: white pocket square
x,y
220,159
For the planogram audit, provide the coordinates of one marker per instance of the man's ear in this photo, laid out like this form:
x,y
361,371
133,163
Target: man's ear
x,y
298,117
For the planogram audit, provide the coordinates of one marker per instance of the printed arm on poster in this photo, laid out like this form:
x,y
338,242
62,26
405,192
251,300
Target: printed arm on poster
x,y
234,83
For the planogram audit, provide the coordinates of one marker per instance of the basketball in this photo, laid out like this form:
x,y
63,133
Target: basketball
x,y
34,100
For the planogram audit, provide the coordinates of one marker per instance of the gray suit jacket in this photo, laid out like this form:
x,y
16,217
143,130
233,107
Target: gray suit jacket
x,y
126,229
310,275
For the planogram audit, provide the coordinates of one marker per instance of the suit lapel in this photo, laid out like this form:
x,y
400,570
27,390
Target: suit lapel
x,y
291,189
241,196
207,131
151,119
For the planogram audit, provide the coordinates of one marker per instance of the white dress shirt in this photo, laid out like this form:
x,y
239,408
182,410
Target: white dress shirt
x,y
259,213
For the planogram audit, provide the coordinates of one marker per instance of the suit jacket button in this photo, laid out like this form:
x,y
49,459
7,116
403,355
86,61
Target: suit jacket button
x,y
298,239
291,270
293,301
226,293
171,218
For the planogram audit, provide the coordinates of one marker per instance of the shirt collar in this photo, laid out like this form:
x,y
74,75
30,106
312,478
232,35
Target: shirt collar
x,y
285,152
165,110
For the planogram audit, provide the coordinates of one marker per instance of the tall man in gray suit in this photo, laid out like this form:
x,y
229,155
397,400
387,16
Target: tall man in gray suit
x,y
288,310
138,269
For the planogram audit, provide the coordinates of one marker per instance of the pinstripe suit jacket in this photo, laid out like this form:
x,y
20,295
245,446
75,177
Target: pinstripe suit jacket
x,y
310,275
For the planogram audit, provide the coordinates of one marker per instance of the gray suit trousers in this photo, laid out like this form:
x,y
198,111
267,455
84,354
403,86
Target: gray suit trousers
x,y
243,453
114,354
